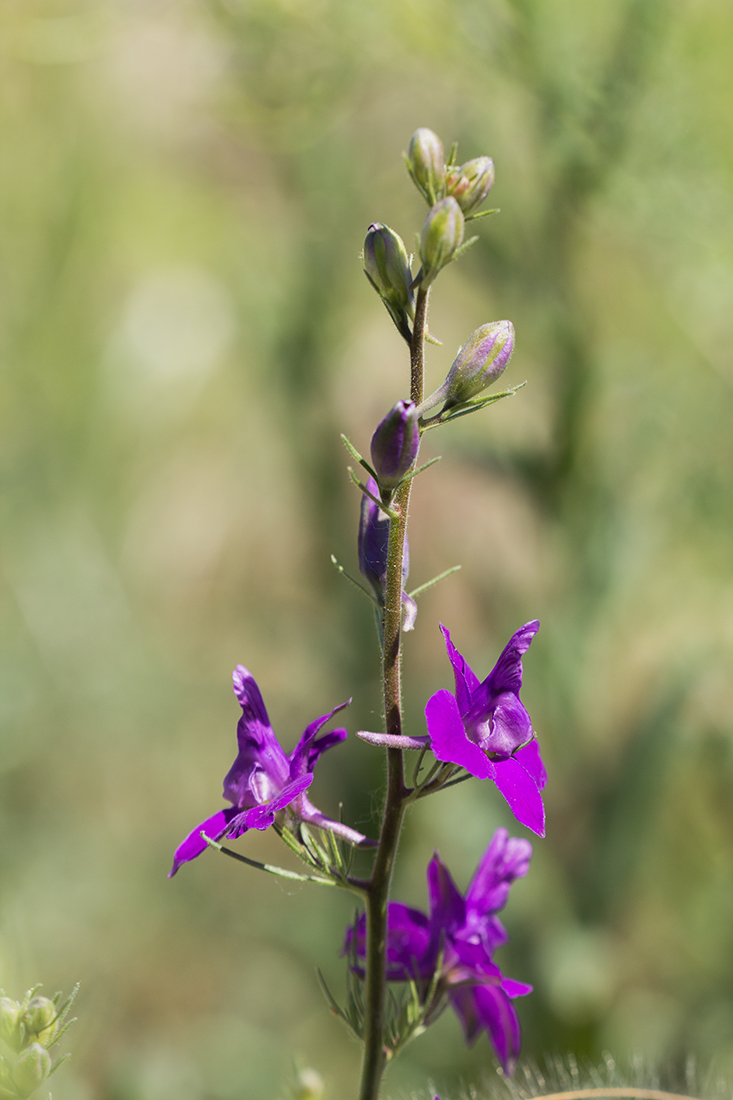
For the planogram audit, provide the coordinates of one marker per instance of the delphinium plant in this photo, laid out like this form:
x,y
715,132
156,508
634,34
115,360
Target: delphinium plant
x,y
404,966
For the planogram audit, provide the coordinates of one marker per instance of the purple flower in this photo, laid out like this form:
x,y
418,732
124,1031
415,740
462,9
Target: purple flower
x,y
485,728
373,547
264,780
466,931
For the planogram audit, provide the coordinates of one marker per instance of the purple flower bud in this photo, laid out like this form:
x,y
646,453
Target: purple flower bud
x,y
373,541
470,184
395,444
441,235
479,362
373,549
31,1069
426,163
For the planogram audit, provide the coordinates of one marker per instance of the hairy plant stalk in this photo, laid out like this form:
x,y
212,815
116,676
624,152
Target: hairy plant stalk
x,y
377,898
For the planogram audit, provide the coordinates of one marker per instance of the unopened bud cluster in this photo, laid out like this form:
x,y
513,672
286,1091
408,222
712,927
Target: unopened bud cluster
x,y
454,193
27,1029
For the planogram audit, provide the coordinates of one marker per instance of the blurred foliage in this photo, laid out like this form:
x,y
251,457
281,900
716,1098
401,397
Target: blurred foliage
x,y
185,330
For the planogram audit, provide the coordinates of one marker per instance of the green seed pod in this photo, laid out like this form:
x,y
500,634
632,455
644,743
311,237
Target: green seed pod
x,y
31,1069
426,162
441,235
470,184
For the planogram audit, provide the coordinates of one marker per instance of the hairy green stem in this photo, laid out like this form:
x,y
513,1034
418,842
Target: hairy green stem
x,y
377,897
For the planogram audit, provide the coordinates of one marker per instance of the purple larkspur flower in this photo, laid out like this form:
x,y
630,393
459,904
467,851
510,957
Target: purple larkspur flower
x,y
373,547
265,780
460,934
485,728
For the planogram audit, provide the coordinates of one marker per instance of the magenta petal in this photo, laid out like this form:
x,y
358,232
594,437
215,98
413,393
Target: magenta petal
x,y
520,791
305,755
514,988
194,844
408,936
506,859
511,726
249,696
258,746
506,675
448,737
466,679
262,816
310,813
464,1006
447,907
390,741
499,1019
493,934
530,759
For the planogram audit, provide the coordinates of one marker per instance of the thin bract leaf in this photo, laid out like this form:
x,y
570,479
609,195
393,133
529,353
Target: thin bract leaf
x,y
383,507
482,214
353,580
355,454
464,247
429,584
419,470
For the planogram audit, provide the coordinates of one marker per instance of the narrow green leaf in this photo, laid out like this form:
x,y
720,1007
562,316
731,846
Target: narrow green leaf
x,y
271,870
353,580
429,584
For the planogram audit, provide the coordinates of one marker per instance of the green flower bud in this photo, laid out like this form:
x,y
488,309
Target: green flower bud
x,y
387,267
479,362
7,1088
10,1022
441,235
39,1019
31,1069
426,163
470,184
308,1086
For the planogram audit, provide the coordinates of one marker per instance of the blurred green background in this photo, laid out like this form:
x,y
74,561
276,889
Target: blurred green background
x,y
184,331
